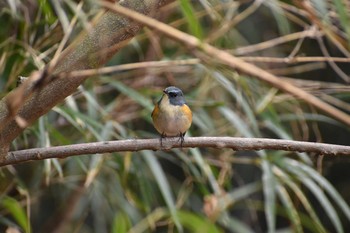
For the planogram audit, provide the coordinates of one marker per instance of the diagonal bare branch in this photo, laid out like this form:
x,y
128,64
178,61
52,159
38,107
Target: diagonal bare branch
x,y
230,60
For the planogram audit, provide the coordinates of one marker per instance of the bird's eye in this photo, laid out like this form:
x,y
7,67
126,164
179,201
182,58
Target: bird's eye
x,y
172,94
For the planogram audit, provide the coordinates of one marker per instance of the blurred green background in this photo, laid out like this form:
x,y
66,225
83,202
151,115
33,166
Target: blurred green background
x,y
188,190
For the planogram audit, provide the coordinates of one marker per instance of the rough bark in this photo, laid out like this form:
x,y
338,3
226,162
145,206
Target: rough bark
x,y
89,50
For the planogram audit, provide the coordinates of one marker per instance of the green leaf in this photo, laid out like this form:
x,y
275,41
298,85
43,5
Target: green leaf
x,y
67,114
206,169
316,224
344,18
326,185
194,223
150,220
281,19
297,168
269,184
289,207
121,223
192,19
330,211
244,191
18,213
241,193
163,185
321,9
248,110
234,224
135,95
62,15
45,7
236,121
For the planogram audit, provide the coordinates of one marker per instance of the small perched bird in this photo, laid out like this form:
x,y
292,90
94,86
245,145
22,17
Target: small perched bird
x,y
171,115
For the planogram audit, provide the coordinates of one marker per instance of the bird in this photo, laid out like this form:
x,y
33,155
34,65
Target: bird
x,y
171,115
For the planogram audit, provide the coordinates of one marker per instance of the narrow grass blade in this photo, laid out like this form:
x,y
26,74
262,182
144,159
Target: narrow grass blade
x,y
234,224
330,211
326,185
16,210
281,19
62,16
316,225
279,130
289,207
236,121
194,25
150,219
45,7
206,169
194,223
163,185
244,191
229,86
135,95
344,18
317,191
269,184
121,223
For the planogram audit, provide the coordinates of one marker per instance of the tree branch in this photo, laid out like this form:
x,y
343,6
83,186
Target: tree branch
x,y
235,143
91,49
231,61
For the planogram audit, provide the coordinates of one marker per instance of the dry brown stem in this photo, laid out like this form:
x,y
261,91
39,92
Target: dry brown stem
x,y
230,60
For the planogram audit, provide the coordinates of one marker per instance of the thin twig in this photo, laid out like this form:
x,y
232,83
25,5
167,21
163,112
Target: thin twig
x,y
297,47
293,60
308,33
230,23
129,66
335,67
235,143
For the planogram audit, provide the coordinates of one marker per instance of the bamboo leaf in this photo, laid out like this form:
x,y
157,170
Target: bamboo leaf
x,y
316,225
296,168
326,185
16,210
269,184
289,207
194,223
121,223
163,185
194,25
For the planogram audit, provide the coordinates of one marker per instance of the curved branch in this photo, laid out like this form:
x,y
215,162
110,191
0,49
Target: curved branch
x,y
235,143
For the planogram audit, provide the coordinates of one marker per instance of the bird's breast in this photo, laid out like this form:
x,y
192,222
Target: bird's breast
x,y
173,119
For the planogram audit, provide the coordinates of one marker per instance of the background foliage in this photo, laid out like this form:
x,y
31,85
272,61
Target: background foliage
x,y
189,190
